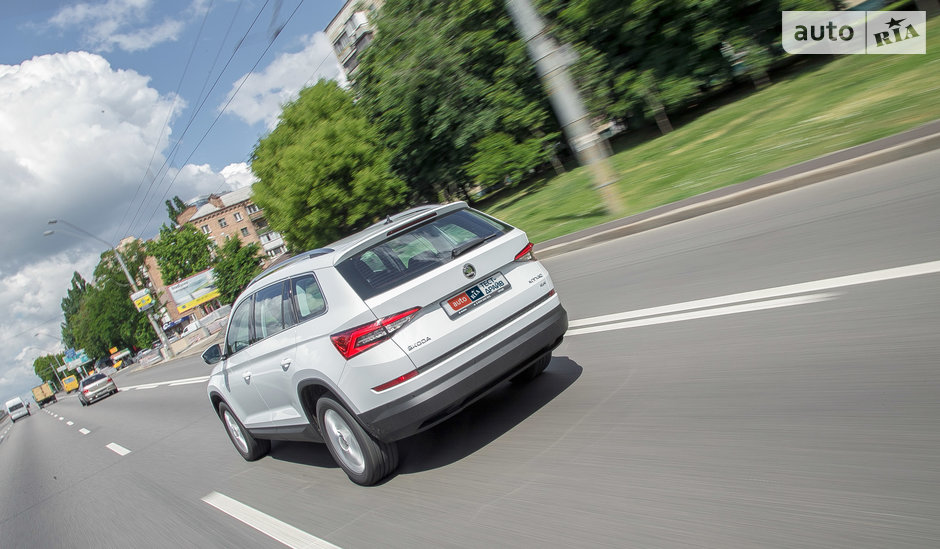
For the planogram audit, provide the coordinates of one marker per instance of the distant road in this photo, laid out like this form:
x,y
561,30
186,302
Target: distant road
x,y
763,376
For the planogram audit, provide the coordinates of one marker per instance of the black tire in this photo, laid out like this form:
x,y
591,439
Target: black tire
x,y
365,459
249,447
533,371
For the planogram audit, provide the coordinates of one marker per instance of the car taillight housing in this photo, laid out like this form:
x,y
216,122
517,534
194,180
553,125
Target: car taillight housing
x,y
526,254
351,342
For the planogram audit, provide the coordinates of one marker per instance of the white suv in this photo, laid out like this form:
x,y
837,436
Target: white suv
x,y
384,334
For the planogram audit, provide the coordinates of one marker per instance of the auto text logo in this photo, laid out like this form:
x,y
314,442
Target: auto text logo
x,y
854,32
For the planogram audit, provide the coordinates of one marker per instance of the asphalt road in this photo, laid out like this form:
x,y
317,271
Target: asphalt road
x,y
763,376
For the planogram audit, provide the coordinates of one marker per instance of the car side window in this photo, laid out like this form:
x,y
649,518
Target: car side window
x,y
308,297
239,329
269,312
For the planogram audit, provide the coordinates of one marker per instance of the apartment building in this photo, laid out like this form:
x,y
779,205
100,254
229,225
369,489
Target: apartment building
x,y
351,31
224,216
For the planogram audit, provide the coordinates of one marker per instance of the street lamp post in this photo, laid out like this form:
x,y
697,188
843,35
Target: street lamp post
x,y
168,352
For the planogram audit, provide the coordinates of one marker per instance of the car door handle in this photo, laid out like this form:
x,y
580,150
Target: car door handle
x,y
285,364
247,377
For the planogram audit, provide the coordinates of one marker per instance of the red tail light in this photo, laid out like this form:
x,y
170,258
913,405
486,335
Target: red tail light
x,y
351,342
526,253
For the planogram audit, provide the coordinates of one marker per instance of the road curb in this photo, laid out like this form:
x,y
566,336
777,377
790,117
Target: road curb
x,y
740,193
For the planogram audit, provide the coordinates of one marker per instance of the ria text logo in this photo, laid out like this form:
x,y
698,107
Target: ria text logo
x,y
854,32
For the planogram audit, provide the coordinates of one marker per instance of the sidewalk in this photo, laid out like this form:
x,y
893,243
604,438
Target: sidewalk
x,y
923,139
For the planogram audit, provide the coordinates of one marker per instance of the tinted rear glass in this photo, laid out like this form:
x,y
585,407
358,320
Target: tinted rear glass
x,y
16,406
91,379
412,253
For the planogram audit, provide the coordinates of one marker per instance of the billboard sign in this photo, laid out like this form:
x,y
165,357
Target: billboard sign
x,y
142,300
75,359
194,291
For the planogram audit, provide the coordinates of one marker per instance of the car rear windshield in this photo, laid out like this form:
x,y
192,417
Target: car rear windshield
x,y
91,379
16,406
416,251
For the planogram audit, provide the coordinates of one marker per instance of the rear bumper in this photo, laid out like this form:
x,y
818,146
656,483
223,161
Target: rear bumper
x,y
433,403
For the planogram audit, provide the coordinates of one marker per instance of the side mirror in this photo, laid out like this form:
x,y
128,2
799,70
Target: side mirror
x,y
213,354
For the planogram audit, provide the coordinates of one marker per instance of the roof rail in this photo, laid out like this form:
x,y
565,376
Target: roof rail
x,y
299,257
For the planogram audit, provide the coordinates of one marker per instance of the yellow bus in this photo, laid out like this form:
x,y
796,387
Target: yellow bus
x,y
70,384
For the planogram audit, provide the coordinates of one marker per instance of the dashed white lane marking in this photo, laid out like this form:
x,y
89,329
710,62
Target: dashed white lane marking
x,y
61,418
84,431
918,269
730,310
118,449
70,423
266,524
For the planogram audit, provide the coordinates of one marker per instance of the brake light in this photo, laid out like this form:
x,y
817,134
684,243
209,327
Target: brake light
x,y
526,253
351,342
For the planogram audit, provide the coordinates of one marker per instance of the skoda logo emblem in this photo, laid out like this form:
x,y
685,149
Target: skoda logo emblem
x,y
469,271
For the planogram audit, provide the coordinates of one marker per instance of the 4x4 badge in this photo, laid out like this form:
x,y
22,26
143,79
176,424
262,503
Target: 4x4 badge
x,y
469,271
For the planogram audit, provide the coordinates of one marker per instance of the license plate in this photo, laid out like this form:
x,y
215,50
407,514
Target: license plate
x,y
475,295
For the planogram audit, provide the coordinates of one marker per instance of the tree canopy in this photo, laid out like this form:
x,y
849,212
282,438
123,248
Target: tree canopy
x,y
174,208
640,58
324,171
45,365
440,80
107,316
71,304
236,265
180,252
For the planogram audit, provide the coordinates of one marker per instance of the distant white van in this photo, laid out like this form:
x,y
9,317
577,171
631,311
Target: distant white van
x,y
16,408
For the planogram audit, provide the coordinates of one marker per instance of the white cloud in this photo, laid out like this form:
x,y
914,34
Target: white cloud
x,y
125,24
238,175
264,94
75,138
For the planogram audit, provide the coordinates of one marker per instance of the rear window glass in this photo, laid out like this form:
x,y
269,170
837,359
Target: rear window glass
x,y
93,378
16,406
412,253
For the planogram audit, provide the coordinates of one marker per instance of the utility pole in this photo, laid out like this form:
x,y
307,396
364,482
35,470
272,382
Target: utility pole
x,y
551,64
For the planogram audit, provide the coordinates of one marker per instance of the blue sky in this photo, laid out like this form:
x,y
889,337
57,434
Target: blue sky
x,y
105,111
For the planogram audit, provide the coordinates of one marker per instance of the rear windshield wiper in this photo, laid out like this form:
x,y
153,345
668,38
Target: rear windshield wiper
x,y
471,244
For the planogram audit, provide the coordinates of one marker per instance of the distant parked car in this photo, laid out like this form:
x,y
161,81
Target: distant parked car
x,y
95,387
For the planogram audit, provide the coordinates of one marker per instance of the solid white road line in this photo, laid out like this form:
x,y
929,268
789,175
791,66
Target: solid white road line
x,y
720,311
118,449
84,431
266,524
930,267
189,382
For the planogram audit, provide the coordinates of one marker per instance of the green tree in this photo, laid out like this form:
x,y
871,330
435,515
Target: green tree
x,y
107,316
644,58
235,267
174,208
45,365
71,304
180,252
324,170
439,79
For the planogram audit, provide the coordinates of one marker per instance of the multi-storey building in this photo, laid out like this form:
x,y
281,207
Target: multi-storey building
x,y
351,31
224,216
220,217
